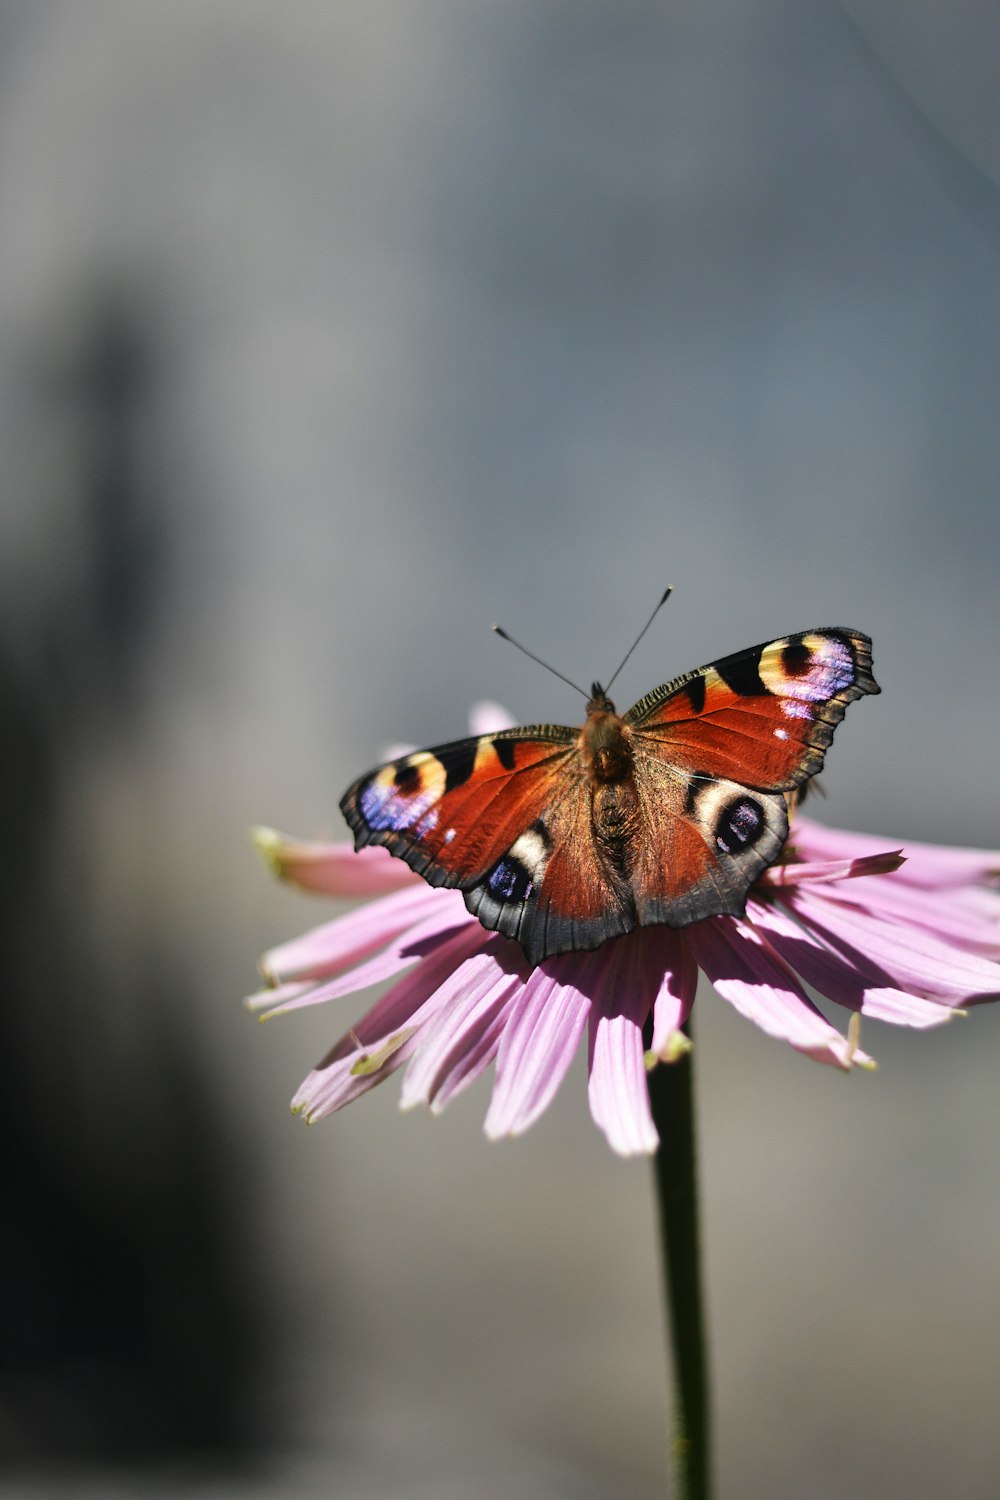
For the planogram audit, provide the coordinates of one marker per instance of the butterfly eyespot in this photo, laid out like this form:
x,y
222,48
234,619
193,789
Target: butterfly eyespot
x,y
509,881
372,801
796,658
814,667
516,875
740,825
830,667
402,796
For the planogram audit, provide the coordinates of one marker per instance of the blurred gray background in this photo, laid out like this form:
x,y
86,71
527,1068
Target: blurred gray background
x,y
329,334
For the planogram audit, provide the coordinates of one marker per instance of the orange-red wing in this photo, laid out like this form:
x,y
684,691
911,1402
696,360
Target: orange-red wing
x,y
506,819
451,811
763,717
700,843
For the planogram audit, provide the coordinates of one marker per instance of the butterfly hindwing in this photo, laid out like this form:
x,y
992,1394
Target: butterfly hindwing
x,y
704,841
552,891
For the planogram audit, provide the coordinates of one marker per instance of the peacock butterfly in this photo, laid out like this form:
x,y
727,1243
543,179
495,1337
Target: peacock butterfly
x,y
562,838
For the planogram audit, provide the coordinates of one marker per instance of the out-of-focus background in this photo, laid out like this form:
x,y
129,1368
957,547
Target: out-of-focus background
x,y
329,334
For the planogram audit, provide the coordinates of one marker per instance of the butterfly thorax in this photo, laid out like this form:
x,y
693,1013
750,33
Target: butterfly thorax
x,y
605,742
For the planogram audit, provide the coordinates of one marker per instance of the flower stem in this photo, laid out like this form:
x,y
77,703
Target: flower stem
x,y
671,1096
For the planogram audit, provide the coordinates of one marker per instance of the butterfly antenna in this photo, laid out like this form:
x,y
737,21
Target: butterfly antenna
x,y
639,637
498,630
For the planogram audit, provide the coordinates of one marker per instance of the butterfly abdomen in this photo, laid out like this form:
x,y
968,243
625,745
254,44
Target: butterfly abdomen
x,y
607,755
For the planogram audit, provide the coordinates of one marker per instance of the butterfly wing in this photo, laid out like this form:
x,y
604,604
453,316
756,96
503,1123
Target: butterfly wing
x,y
506,819
716,749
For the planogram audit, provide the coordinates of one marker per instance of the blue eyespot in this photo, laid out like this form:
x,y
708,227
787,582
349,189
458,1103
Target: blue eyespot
x,y
385,807
740,825
509,880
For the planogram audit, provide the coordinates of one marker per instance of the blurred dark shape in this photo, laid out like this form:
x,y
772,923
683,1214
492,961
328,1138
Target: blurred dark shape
x,y
130,1332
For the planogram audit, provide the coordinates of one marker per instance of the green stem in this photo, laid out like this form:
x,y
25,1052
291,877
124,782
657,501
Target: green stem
x,y
671,1096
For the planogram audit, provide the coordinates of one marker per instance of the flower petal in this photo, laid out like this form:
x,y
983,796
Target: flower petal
x,y
670,956
903,957
410,947
461,1040
395,750
826,870
968,917
618,1091
490,718
744,972
389,1031
542,1033
328,949
275,995
849,982
332,869
933,865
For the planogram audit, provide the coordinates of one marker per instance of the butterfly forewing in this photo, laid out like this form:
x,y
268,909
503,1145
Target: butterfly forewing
x,y
764,716
451,812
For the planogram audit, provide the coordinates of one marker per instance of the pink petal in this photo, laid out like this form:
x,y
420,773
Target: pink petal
x,y
476,1057
822,871
966,916
276,994
332,869
744,972
489,718
542,1033
898,1008
462,1039
391,1026
618,1092
395,750
906,957
412,946
671,958
932,865
851,983
982,901
326,950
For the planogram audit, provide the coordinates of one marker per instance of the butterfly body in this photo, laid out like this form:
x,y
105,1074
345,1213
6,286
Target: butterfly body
x,y
563,838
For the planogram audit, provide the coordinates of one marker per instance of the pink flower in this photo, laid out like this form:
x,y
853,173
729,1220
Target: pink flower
x,y
901,936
